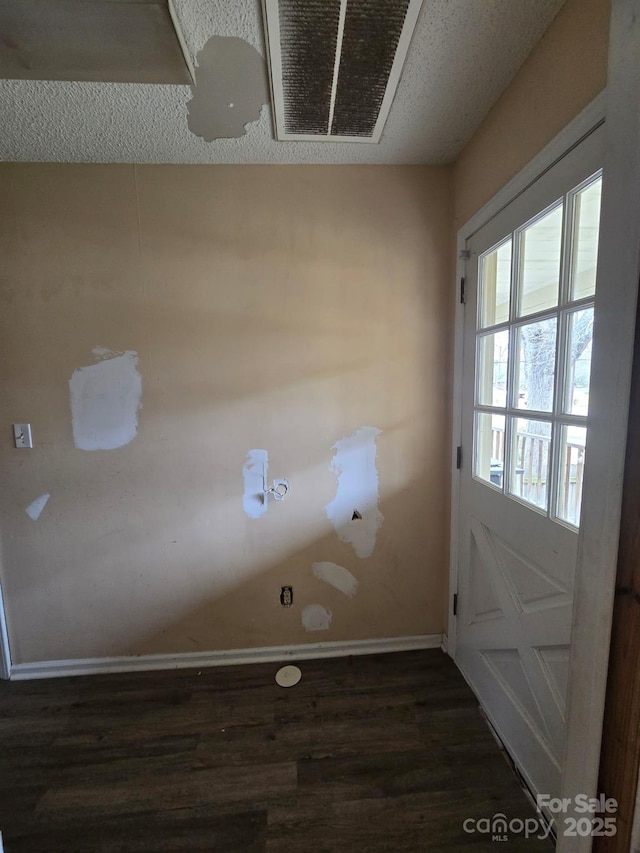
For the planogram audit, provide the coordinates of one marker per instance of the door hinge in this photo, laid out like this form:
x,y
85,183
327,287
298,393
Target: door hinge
x,y
463,295
458,458
465,254
455,603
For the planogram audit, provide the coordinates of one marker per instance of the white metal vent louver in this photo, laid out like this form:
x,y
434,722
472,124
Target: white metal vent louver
x,y
335,65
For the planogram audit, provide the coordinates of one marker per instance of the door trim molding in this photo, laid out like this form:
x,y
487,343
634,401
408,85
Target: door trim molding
x,y
578,129
569,137
226,657
5,652
614,337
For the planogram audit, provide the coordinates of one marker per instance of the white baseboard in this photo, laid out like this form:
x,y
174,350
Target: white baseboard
x,y
228,657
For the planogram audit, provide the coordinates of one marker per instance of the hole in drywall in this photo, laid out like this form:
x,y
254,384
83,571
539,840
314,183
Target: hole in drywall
x,y
356,516
231,87
286,596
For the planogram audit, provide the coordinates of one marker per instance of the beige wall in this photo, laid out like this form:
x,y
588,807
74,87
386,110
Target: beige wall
x,y
565,71
271,307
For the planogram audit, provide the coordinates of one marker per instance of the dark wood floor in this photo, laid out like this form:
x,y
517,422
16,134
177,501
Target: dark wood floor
x,y
378,753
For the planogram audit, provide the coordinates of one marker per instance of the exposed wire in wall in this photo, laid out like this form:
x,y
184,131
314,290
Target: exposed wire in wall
x,y
278,490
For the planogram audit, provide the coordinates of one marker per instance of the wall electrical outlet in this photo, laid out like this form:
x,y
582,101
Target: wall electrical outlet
x,y
286,596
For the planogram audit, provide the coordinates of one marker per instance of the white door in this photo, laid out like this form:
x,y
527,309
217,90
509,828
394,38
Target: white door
x,y
527,346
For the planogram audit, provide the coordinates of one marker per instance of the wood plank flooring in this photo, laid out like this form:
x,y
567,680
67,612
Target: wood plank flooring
x,y
366,754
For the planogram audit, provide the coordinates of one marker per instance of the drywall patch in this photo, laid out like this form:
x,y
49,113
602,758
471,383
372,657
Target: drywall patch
x,y
337,576
231,87
103,353
354,511
315,617
34,510
256,468
105,398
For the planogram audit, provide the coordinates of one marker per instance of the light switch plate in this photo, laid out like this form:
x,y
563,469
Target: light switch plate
x,y
22,435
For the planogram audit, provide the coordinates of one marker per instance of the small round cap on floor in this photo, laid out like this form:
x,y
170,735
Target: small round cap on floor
x,y
287,676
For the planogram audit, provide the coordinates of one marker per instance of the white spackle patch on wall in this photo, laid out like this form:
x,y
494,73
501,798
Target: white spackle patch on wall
x,y
255,472
103,352
354,464
34,510
315,617
105,398
337,576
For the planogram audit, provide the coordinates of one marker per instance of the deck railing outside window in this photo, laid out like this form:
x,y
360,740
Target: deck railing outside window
x,y
532,465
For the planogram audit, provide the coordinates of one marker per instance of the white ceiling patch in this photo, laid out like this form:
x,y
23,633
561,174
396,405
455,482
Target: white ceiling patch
x,y
256,468
34,510
105,398
315,617
336,576
354,511
231,87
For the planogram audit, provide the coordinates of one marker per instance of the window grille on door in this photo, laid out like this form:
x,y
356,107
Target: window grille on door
x,y
533,355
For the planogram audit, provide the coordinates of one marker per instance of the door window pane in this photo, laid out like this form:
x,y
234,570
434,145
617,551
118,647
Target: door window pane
x,y
489,448
579,362
495,281
571,469
540,246
533,355
586,225
493,357
530,459
535,365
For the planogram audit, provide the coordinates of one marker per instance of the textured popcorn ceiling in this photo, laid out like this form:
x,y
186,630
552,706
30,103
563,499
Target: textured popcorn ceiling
x,y
463,55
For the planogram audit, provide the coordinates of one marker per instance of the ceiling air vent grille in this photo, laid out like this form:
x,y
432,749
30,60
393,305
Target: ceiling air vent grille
x,y
335,65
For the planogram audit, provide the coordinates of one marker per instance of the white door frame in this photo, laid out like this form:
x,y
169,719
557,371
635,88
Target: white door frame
x,y
5,654
613,343
616,297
